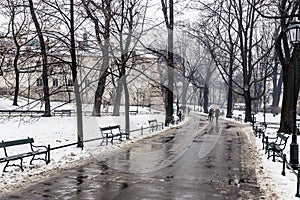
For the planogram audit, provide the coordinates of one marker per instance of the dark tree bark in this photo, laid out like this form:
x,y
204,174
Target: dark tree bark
x,y
290,94
47,112
205,97
169,21
74,76
17,56
17,78
229,97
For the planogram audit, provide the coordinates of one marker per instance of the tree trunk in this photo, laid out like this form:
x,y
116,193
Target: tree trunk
x,y
79,114
290,93
169,21
17,78
230,93
98,96
248,117
229,102
170,89
127,104
17,55
277,85
105,52
117,98
74,76
47,112
184,95
205,97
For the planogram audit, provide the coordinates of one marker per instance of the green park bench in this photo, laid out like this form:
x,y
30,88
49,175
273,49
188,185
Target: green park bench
x,y
32,151
112,132
276,146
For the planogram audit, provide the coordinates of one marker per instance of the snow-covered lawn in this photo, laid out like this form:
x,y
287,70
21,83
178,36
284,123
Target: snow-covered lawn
x,y
58,131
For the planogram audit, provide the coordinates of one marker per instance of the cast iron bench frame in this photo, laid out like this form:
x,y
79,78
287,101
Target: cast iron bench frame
x,y
276,146
153,124
259,129
109,133
35,150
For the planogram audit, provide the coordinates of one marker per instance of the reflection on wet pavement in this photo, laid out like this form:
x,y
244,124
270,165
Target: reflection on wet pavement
x,y
188,163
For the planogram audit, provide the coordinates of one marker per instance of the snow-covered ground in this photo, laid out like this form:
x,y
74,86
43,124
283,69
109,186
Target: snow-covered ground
x,y
58,131
269,173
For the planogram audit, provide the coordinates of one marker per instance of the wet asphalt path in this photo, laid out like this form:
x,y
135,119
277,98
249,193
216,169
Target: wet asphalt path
x,y
198,161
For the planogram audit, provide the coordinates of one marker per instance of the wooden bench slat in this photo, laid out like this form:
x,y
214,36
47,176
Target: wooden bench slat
x,y
16,142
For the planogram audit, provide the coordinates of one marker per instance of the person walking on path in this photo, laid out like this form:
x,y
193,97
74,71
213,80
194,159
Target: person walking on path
x,y
217,114
179,116
211,114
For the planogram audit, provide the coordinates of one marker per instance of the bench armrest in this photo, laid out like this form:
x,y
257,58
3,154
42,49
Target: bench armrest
x,y
39,148
271,138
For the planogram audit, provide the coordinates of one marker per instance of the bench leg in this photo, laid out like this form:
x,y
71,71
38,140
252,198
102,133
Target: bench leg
x,y
6,165
283,165
20,166
267,144
112,140
46,157
273,156
48,154
32,159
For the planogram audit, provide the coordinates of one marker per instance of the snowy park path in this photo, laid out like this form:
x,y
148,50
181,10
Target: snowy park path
x,y
178,169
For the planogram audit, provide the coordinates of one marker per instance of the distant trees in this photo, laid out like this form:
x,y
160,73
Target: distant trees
x,y
236,45
238,39
17,12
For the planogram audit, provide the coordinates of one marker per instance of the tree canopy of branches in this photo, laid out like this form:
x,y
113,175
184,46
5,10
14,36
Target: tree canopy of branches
x,y
237,46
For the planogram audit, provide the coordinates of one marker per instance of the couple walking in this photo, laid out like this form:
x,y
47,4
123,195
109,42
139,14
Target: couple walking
x,y
213,113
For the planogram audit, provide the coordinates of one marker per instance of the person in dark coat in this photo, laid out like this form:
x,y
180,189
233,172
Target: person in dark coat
x,y
179,116
211,114
217,114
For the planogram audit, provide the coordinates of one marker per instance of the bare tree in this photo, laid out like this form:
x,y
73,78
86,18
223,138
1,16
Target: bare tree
x,y
168,12
102,22
288,59
127,28
236,46
60,27
44,54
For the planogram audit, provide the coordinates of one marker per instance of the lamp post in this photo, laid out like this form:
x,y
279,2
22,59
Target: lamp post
x,y
294,34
